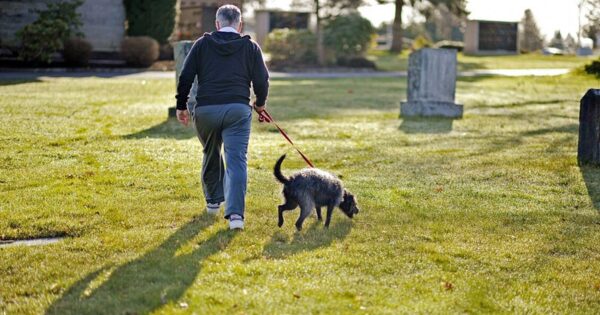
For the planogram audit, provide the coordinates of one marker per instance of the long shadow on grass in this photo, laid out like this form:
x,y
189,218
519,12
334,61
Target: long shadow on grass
x,y
19,81
431,125
465,66
168,129
145,284
316,236
591,176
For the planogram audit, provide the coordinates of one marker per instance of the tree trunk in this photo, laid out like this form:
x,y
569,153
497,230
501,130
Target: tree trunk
x,y
397,28
319,35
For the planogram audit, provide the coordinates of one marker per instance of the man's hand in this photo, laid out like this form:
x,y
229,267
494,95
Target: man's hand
x,y
259,109
183,116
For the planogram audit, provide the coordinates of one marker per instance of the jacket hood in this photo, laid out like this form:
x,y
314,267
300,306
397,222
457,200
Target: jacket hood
x,y
226,43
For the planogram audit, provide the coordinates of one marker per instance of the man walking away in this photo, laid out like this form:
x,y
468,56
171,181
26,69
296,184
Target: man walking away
x,y
225,63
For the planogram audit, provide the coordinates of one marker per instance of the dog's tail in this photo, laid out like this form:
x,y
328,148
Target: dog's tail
x,y
277,171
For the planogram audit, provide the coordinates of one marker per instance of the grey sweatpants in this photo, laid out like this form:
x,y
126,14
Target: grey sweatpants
x,y
225,126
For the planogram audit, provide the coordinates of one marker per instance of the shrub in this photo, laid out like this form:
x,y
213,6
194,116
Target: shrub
x,y
593,68
46,35
77,51
291,48
140,51
421,42
154,18
356,62
349,35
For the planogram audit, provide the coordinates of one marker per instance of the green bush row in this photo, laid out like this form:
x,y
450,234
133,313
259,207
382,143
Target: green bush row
x,y
346,39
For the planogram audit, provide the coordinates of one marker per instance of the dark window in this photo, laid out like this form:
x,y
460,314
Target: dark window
x,y
498,36
291,20
208,19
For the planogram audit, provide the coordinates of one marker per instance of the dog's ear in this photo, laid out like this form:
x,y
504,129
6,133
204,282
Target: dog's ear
x,y
348,195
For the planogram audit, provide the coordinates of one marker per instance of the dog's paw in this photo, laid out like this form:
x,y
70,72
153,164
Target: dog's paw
x,y
280,223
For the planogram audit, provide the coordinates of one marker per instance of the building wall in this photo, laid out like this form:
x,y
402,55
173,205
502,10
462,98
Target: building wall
x,y
14,14
103,21
195,17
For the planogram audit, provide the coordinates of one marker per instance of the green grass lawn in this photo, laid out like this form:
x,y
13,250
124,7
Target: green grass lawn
x,y
399,62
489,213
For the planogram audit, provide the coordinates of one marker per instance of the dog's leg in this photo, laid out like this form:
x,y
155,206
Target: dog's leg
x,y
329,213
319,217
288,205
305,210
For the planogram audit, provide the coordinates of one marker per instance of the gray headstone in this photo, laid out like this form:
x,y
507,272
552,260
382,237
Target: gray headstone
x,y
585,51
432,84
588,150
181,50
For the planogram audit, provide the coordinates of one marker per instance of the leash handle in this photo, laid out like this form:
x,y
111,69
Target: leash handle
x,y
264,116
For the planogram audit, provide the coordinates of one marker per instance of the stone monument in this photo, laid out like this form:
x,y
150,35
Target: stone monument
x,y
181,49
431,84
588,149
491,38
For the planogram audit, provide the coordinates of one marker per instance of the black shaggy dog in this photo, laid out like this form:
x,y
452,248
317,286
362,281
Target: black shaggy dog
x,y
312,188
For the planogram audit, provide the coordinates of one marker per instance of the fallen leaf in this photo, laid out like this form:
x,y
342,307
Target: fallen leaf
x,y
447,285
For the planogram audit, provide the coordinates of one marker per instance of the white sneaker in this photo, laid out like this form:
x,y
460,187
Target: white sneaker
x,y
213,208
236,221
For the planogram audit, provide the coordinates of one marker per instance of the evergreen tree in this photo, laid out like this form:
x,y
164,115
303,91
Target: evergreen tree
x,y
154,18
530,37
570,44
557,41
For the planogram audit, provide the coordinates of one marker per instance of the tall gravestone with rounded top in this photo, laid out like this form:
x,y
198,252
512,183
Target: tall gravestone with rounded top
x,y
588,150
431,84
181,49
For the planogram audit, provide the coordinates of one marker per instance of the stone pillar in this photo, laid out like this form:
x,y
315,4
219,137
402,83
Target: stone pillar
x,y
181,49
431,84
262,20
588,150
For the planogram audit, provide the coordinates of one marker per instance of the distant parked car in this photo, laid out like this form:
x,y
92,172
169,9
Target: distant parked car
x,y
551,51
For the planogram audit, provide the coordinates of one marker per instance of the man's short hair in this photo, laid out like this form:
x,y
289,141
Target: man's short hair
x,y
229,15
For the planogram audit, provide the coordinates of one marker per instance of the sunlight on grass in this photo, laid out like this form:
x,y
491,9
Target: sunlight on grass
x,y
489,213
387,61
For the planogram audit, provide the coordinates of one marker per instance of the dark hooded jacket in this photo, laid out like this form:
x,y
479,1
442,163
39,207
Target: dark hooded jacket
x,y
225,64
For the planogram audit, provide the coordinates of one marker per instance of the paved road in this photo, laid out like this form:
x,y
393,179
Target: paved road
x,y
134,74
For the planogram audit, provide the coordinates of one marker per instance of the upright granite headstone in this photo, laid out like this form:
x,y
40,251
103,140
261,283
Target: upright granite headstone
x,y
181,50
588,151
431,84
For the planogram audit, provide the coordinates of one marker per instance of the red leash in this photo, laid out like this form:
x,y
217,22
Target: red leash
x,y
264,116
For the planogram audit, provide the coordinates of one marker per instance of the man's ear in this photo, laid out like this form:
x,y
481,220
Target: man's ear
x,y
240,27
217,25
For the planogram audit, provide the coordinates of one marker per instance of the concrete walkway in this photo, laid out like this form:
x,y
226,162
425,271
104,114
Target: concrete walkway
x,y
6,74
